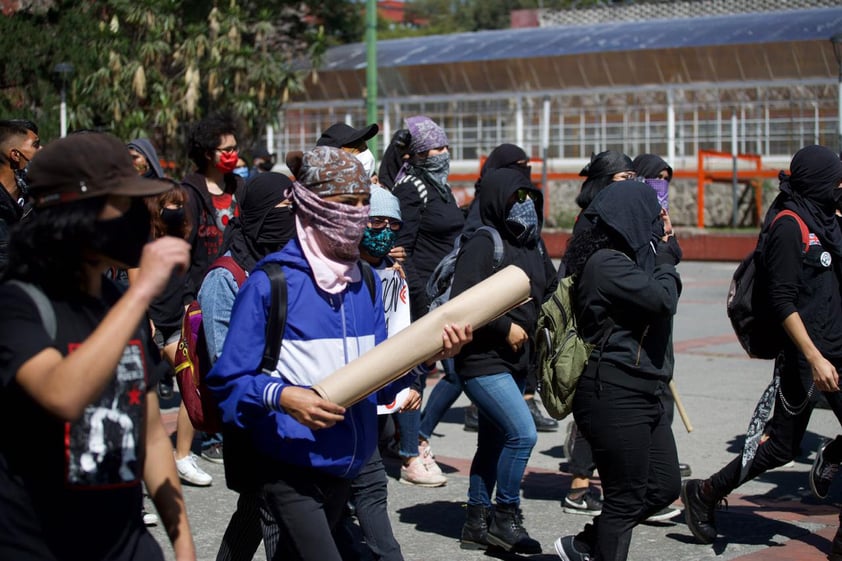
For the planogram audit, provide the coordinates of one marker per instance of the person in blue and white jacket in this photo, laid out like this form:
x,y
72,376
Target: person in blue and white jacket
x,y
309,448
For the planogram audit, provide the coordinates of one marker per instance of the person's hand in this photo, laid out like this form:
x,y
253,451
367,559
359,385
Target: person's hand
x,y
517,337
668,231
398,253
825,376
399,268
157,263
310,409
453,338
413,401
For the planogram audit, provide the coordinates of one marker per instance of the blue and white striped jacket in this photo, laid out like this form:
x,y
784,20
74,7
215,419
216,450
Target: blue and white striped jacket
x,y
323,332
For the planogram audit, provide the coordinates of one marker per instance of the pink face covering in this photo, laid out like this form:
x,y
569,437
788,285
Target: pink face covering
x,y
330,235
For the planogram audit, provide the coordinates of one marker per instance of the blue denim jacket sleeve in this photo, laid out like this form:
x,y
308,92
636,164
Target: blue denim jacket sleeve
x,y
216,297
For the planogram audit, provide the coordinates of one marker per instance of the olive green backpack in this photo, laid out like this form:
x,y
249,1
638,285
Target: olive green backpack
x,y
562,354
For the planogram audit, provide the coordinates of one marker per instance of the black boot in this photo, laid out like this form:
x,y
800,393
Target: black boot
x,y
475,530
506,531
471,418
542,423
699,510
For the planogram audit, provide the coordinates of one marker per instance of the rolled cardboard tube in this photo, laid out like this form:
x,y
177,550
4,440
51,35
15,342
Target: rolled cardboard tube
x,y
421,341
682,412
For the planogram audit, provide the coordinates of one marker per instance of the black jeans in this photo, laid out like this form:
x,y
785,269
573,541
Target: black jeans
x,y
369,495
784,431
635,454
307,506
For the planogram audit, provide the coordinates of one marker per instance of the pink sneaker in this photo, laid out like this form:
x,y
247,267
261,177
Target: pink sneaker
x,y
425,452
418,474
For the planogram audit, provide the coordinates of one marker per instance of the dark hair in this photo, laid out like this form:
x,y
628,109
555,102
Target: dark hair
x,y
10,128
176,195
204,137
49,248
585,243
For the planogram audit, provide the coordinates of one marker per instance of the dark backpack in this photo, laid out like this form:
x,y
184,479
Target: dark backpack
x,y
760,334
562,354
192,362
441,280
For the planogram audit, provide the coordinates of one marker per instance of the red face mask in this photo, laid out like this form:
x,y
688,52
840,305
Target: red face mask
x,y
227,161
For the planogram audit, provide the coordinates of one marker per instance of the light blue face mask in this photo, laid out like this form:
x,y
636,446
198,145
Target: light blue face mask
x,y
242,171
522,221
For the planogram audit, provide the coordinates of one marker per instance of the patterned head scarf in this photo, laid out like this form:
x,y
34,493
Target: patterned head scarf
x,y
426,134
328,171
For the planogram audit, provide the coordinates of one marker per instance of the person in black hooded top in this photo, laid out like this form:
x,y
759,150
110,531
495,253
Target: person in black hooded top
x,y
624,299
603,169
803,291
264,226
493,367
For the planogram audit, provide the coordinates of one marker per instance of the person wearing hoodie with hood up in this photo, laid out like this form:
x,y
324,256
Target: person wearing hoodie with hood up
x,y
308,449
624,299
802,290
145,159
493,367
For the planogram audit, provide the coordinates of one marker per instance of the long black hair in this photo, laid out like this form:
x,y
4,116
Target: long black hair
x,y
49,249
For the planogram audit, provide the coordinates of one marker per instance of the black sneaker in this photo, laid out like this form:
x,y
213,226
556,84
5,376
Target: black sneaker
x,y
684,470
698,512
666,513
165,388
586,503
822,473
565,548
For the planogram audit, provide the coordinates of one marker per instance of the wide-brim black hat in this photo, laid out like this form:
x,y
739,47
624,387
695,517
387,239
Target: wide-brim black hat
x,y
85,165
340,134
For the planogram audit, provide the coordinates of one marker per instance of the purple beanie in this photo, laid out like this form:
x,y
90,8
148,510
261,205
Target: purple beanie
x,y
426,134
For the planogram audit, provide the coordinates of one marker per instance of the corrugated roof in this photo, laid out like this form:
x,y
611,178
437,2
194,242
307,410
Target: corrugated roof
x,y
768,27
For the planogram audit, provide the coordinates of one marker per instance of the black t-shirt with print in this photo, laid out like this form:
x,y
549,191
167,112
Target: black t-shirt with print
x,y
72,490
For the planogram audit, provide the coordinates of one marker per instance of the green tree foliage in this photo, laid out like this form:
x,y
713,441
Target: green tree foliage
x,y
152,67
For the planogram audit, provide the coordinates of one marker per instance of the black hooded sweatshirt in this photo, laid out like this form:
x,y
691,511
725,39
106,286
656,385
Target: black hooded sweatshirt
x,y
202,216
806,283
489,353
634,292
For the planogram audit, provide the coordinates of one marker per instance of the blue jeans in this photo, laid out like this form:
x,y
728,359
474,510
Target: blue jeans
x,y
442,397
409,423
505,439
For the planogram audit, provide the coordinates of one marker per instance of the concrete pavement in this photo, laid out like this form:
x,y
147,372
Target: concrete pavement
x,y
771,518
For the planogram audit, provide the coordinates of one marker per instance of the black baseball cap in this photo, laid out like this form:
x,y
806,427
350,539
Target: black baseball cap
x,y
85,165
340,134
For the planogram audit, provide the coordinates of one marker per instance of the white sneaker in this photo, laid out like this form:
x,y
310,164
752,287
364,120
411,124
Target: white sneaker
x,y
191,473
425,452
149,518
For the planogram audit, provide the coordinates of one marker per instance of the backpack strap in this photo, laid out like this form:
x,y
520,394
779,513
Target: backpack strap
x,y
805,232
368,278
498,243
42,303
277,316
227,262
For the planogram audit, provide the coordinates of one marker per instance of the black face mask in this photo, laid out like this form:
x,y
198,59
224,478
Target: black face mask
x,y
277,229
122,238
173,219
266,165
837,198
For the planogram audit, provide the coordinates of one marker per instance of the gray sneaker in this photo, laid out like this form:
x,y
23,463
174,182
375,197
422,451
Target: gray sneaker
x,y
565,548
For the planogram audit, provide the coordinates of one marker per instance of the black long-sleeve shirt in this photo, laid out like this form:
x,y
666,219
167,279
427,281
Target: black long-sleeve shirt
x,y
803,283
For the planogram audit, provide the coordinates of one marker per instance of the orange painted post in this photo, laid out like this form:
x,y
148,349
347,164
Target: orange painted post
x,y
700,191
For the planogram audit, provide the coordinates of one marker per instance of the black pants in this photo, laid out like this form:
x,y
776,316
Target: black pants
x,y
307,505
369,495
784,431
635,454
249,524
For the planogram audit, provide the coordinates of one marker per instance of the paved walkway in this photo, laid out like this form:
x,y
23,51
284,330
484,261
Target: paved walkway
x,y
771,518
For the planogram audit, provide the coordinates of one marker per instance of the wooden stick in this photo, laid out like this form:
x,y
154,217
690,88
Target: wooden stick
x,y
680,406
